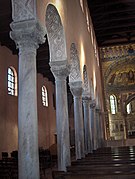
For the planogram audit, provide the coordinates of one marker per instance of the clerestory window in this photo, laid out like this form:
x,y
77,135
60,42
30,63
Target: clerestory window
x,y
44,96
12,82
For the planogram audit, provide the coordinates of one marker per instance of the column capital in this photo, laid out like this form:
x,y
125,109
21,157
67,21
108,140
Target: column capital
x,y
27,34
93,104
97,110
86,98
76,88
60,69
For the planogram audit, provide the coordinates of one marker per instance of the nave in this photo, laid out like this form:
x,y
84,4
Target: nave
x,y
104,163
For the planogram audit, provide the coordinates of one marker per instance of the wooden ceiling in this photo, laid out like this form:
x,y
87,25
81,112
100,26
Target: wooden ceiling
x,y
113,21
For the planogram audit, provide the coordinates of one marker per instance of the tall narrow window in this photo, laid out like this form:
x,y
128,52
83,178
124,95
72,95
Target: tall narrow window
x,y
129,108
113,104
44,96
12,82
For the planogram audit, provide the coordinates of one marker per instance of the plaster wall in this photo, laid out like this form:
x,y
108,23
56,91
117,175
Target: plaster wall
x,y
8,104
9,108
46,115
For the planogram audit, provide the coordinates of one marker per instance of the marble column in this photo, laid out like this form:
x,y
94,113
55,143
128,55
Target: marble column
x,y
60,70
98,128
76,89
101,129
93,125
87,131
27,35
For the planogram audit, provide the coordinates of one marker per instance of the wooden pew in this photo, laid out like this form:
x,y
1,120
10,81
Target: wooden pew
x,y
106,163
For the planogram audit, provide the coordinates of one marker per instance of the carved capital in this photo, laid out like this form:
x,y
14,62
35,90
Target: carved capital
x,y
93,104
60,69
27,34
86,99
76,88
23,10
97,110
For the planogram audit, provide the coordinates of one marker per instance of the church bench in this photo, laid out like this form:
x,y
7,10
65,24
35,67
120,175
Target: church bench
x,y
87,175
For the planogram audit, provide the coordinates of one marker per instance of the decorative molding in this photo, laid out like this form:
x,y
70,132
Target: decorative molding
x,y
60,69
75,74
117,89
27,34
119,52
56,36
23,10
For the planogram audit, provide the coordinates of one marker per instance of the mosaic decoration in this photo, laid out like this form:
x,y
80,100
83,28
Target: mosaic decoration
x,y
117,52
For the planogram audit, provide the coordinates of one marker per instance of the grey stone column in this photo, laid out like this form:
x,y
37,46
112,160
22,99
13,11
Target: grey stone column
x,y
98,129
87,131
101,129
60,70
76,89
93,125
27,36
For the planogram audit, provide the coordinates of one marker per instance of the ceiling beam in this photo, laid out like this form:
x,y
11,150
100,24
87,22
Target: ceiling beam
x,y
114,19
112,12
117,26
95,4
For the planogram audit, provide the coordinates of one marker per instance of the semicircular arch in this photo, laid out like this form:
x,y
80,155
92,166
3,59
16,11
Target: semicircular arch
x,y
55,34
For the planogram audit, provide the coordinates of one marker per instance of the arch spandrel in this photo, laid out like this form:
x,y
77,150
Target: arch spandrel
x,y
86,87
75,74
56,35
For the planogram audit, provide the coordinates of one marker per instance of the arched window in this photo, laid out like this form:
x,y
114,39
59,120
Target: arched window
x,y
129,110
12,81
44,96
113,104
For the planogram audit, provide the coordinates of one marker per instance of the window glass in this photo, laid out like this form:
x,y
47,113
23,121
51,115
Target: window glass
x,y
113,104
44,96
129,108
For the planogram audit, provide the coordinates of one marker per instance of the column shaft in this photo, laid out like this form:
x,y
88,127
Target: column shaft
x,y
76,89
79,131
86,125
62,125
91,124
27,116
60,70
